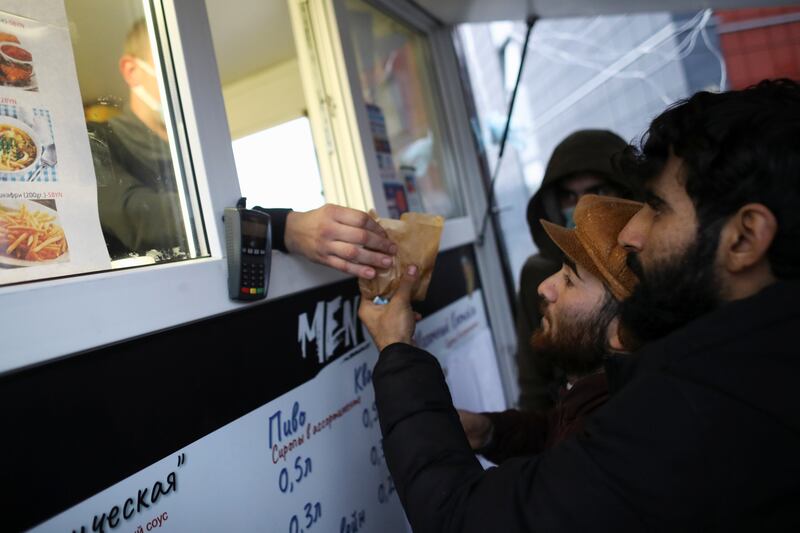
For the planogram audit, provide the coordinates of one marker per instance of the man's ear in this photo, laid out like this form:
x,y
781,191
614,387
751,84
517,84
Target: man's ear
x,y
746,238
614,341
129,70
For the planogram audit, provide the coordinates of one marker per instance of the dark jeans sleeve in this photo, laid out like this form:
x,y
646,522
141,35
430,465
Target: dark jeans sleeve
x,y
515,434
278,221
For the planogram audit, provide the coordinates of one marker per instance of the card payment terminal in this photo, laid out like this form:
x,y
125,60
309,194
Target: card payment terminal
x,y
248,236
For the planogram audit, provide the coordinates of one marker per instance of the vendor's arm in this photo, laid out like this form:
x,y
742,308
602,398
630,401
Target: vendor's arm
x,y
277,219
339,237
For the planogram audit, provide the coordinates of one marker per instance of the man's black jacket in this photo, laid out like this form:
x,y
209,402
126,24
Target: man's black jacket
x,y
704,436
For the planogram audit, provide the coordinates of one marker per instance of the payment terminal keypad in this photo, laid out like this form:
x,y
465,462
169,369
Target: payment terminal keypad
x,y
249,248
253,279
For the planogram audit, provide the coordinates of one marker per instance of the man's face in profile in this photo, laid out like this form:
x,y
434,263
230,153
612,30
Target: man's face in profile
x,y
667,225
147,76
140,75
574,328
673,258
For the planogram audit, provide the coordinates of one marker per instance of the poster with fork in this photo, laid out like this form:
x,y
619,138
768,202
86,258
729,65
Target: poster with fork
x,y
49,221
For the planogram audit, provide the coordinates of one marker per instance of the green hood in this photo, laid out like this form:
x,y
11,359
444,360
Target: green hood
x,y
582,151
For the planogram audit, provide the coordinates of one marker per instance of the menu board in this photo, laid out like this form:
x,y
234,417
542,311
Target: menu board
x,y
307,459
49,222
310,460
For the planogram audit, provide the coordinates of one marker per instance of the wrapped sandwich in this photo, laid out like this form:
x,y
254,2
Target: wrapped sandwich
x,y
417,238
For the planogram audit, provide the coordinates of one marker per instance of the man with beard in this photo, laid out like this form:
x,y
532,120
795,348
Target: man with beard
x,y
579,329
704,433
580,164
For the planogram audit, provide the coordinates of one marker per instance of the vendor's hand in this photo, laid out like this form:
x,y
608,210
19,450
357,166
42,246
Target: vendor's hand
x,y
395,321
339,237
477,427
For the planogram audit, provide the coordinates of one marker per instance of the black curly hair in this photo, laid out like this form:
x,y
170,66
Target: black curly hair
x,y
737,147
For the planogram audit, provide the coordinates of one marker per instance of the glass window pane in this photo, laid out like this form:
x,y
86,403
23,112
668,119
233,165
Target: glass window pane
x,y
394,68
609,72
145,190
277,167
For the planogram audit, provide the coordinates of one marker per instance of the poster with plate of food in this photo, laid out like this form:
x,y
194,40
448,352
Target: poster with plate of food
x,y
27,150
16,63
31,234
49,221
19,148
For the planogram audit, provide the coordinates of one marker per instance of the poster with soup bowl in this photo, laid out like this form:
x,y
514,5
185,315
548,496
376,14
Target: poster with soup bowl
x,y
49,222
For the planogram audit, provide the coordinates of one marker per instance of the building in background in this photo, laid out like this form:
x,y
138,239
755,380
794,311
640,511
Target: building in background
x,y
760,43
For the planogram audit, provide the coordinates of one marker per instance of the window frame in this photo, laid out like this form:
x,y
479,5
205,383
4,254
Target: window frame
x,y
457,131
327,59
82,312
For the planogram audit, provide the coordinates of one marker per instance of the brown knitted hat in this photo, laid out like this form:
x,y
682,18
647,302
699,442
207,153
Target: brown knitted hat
x,y
593,242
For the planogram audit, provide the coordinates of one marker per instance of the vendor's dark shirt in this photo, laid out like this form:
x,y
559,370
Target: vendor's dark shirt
x,y
137,191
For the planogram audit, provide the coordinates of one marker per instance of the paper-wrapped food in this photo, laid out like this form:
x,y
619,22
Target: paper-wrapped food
x,y
417,238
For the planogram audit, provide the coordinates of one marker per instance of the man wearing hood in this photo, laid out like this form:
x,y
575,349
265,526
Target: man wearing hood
x,y
581,164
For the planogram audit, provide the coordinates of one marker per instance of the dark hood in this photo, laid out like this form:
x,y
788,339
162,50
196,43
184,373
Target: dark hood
x,y
582,151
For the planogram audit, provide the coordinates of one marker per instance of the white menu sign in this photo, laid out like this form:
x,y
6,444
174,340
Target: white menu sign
x,y
310,460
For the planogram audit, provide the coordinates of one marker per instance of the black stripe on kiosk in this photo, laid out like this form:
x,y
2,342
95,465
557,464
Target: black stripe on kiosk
x,y
79,425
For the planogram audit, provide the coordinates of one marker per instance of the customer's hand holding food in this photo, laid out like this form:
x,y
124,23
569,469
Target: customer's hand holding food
x,y
395,321
339,237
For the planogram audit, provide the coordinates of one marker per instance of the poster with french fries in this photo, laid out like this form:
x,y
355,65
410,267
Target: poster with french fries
x,y
31,233
49,222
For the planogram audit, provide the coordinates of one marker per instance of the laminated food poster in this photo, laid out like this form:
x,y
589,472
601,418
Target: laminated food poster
x,y
49,222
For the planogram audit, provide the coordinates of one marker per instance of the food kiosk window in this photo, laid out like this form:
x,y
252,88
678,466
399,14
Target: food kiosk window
x,y
395,74
95,172
146,196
